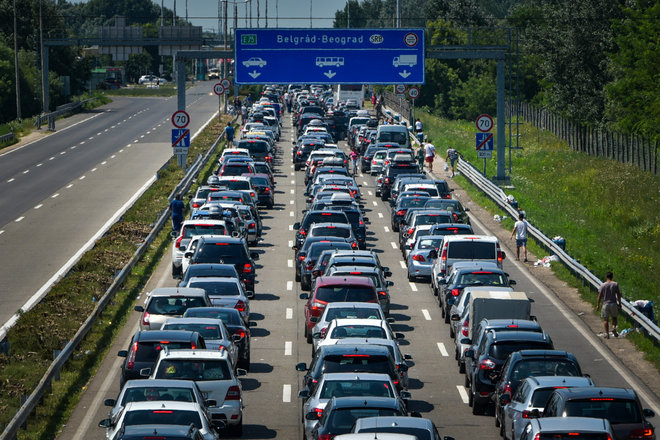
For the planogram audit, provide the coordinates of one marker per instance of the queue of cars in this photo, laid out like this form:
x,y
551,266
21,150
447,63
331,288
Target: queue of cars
x,y
180,376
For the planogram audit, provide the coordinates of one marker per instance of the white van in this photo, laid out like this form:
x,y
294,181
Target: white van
x,y
394,134
457,248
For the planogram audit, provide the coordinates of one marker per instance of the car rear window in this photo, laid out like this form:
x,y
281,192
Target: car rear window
x,y
544,367
356,388
393,136
326,217
149,351
451,230
502,350
175,305
163,417
227,316
348,363
208,331
193,369
143,394
358,331
215,288
342,420
345,293
472,250
352,313
200,229
482,278
615,410
236,185
432,219
255,147
421,434
573,435
224,253
433,192
235,170
332,231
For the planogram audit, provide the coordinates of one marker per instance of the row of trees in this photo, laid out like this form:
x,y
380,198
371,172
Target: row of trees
x,y
593,61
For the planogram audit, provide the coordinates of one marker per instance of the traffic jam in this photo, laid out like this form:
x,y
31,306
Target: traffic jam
x,y
184,372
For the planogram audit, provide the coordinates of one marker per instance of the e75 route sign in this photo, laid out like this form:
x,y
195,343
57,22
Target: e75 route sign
x,y
329,56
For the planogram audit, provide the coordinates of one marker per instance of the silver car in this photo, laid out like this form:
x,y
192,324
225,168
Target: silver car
x,y
169,302
377,162
418,260
421,428
460,327
344,310
418,232
342,385
567,427
225,292
533,394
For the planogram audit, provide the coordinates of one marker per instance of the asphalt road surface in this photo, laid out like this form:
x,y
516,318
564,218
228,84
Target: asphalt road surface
x,y
270,390
58,192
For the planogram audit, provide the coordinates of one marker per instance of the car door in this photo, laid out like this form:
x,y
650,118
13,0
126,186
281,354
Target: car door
x,y
513,411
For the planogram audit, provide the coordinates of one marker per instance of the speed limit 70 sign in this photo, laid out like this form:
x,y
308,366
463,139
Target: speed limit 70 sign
x,y
180,119
484,123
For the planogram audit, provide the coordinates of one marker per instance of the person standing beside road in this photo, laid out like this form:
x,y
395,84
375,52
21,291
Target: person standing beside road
x,y
177,208
419,130
420,157
243,114
229,133
610,295
520,230
452,156
429,155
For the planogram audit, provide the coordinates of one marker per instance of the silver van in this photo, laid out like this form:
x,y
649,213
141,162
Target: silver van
x,y
394,134
455,248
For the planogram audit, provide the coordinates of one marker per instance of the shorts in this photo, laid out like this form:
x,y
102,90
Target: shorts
x,y
520,242
609,310
452,161
429,159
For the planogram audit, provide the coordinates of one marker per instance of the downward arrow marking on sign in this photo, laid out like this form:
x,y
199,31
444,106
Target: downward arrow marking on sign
x,y
405,74
254,74
329,73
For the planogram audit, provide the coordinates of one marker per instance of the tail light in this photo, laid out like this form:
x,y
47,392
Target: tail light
x,y
387,180
319,412
222,348
465,329
499,254
324,330
240,306
131,356
410,231
193,346
401,213
240,333
317,306
268,158
455,215
252,225
455,292
247,268
177,243
233,393
382,293
486,364
506,389
195,205
299,153
326,436
419,257
310,265
527,414
645,432
267,190
302,257
373,162
146,318
354,245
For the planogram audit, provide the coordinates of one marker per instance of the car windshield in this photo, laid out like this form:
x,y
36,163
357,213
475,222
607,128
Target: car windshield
x,y
163,417
215,288
226,253
352,313
345,293
193,369
174,305
482,278
146,393
614,410
200,229
342,420
355,388
358,331
208,331
420,433
472,250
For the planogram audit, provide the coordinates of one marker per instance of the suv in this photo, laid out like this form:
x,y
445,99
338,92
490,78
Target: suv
x,y
212,372
169,302
525,363
390,172
190,228
467,248
311,217
567,428
488,358
620,406
145,346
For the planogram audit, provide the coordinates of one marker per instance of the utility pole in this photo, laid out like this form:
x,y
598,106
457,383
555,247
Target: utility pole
x,y
44,102
16,70
266,14
398,13
162,13
348,13
258,13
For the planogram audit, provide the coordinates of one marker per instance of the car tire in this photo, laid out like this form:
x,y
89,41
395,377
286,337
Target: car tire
x,y
451,332
176,271
497,423
478,408
297,276
308,335
466,383
303,284
244,363
446,313
395,227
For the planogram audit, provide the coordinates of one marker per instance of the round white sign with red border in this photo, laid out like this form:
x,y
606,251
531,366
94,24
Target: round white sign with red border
x,y
180,119
400,89
484,123
413,92
226,83
411,39
218,89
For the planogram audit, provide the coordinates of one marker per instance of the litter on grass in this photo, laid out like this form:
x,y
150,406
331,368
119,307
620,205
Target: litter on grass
x,y
545,261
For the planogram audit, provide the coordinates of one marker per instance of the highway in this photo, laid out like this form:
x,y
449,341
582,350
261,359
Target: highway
x,y
58,192
270,389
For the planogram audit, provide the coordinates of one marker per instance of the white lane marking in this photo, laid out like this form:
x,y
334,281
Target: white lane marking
x,y
82,142
394,245
148,132
38,206
39,164
413,287
380,215
81,178
73,148
288,348
62,152
113,126
293,191
291,202
386,229
135,141
104,162
370,193
286,393
289,263
292,214
99,133
443,350
290,244
54,196
128,145
106,130
289,313
364,182
19,219
69,185
51,158
292,166
463,393
26,171
403,264
375,203
121,151
2,232
10,180
293,182
93,169
90,138
113,156
290,227
293,173
426,314
289,285
141,136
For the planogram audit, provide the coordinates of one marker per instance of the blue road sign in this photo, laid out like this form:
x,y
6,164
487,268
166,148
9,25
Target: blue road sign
x,y
485,142
180,137
329,56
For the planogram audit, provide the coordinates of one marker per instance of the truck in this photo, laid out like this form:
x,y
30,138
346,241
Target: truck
x,y
404,60
496,304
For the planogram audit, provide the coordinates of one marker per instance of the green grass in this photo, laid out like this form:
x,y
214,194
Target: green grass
x,y
608,212
53,322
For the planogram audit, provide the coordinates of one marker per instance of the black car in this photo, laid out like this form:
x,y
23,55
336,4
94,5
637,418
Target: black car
x,y
146,345
357,221
489,357
451,205
389,174
302,153
402,205
259,149
264,189
234,322
365,161
227,250
208,270
302,251
524,363
311,217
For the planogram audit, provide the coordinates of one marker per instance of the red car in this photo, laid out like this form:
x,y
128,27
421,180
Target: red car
x,y
335,289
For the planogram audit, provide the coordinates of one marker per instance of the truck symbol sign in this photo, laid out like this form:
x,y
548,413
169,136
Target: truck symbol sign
x,y
404,60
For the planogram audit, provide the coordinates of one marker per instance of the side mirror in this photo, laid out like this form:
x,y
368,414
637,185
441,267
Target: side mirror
x,y
503,255
648,413
174,235
138,309
534,414
122,353
455,317
408,357
182,248
145,372
294,247
399,336
254,255
512,282
441,280
388,274
236,338
505,399
390,320
316,335
469,353
241,372
405,395
210,403
252,324
105,423
301,367
403,367
296,225
109,402
316,273
365,219
314,319
304,296
451,301
250,295
312,415
466,209
389,283
190,254
303,394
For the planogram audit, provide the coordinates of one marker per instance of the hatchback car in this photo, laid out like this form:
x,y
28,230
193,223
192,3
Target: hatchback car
x,y
420,428
366,329
565,428
225,292
347,310
169,302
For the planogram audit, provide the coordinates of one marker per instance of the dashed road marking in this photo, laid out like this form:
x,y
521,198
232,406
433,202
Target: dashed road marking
x,y
292,214
99,133
375,203
73,148
380,215
39,164
386,229
104,162
19,219
38,206
443,350
135,141
288,348
286,393
413,287
370,193
90,138
10,180
289,285
26,171
113,156
426,314
82,142
290,227
82,177
289,313
93,169
293,191
51,158
291,202
290,244
293,173
141,136
364,182
289,263
54,196
2,232
394,245
121,151
62,152
403,264
463,393
69,185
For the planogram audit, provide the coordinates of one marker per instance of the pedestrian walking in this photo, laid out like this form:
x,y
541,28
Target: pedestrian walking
x,y
243,114
419,130
354,160
609,295
452,157
229,133
520,231
420,157
429,155
177,208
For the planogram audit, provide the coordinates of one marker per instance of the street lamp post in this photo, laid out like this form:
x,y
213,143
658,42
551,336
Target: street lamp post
x,y
16,70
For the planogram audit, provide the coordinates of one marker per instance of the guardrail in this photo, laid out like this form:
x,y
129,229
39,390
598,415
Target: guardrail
x,y
7,137
53,371
61,110
499,197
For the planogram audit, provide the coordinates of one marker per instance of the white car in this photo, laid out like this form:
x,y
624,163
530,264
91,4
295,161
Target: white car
x,y
189,229
354,328
254,61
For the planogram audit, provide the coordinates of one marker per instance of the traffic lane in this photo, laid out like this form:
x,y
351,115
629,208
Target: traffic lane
x,y
29,174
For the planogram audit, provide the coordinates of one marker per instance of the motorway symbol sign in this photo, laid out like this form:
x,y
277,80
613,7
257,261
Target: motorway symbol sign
x,y
413,92
180,119
180,137
218,89
329,56
484,123
485,142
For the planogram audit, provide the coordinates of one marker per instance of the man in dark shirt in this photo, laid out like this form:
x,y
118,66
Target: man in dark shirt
x,y
177,208
610,295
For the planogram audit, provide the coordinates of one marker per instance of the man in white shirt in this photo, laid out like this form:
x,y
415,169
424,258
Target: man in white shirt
x,y
520,230
429,154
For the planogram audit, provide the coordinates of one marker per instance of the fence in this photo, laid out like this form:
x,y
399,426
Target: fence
x,y
60,111
399,105
7,137
633,150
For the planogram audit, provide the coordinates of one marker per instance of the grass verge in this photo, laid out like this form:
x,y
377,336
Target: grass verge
x,y
608,212
53,322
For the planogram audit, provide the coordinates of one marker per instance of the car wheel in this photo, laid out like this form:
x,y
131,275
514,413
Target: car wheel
x,y
303,284
308,335
297,276
176,271
461,365
497,423
467,381
395,227
451,332
446,314
269,206
244,363
410,278
477,406
235,430
470,398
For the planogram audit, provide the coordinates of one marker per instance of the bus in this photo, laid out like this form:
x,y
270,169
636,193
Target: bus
x,y
350,91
